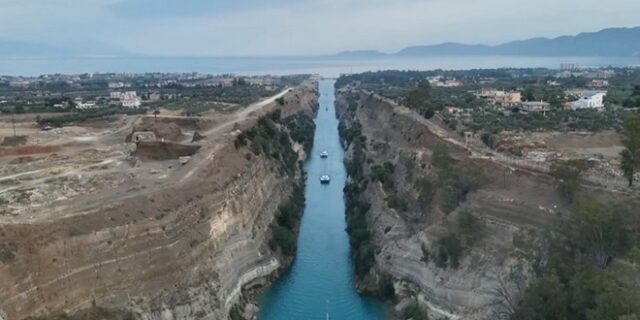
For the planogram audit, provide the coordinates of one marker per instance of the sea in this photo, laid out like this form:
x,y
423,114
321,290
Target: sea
x,y
327,67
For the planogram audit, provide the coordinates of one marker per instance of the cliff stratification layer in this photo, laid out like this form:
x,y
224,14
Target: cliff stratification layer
x,y
442,233
184,250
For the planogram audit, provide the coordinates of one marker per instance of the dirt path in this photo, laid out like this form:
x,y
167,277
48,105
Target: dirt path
x,y
180,175
238,117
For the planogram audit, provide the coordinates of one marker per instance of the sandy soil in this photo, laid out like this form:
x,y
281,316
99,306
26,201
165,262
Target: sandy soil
x,y
75,168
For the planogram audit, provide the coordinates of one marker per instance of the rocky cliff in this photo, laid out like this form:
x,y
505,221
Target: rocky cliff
x,y
184,251
459,257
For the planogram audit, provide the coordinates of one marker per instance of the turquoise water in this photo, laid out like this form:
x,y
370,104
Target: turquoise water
x,y
321,281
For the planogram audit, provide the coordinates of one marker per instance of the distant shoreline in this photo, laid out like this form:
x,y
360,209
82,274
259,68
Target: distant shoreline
x,y
325,66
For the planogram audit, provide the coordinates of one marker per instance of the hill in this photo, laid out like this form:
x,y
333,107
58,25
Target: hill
x,y
613,42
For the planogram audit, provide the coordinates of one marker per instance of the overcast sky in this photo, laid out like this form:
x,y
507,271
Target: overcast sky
x,y
300,27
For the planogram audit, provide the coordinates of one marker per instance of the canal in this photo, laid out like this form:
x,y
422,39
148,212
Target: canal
x,y
320,283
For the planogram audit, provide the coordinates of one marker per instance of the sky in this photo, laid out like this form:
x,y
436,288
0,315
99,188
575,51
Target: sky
x,y
299,27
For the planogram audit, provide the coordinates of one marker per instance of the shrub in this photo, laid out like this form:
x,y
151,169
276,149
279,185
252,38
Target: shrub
x,y
415,311
384,174
566,175
397,202
284,239
284,228
385,287
469,225
448,252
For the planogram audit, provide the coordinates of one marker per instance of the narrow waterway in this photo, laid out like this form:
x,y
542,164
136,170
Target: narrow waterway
x,y
320,283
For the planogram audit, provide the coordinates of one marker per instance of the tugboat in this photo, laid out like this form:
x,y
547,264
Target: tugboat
x,y
325,179
324,154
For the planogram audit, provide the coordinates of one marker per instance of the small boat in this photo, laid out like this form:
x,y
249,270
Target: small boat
x,y
324,154
325,179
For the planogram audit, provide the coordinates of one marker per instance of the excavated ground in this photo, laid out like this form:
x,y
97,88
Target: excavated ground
x,y
93,226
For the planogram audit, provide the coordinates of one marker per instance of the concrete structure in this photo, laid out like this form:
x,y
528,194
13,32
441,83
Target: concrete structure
x,y
440,81
597,83
154,96
130,99
569,66
452,110
118,85
535,106
589,100
143,136
502,98
83,105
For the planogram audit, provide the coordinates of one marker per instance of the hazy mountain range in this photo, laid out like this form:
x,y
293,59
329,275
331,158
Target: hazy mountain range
x,y
613,42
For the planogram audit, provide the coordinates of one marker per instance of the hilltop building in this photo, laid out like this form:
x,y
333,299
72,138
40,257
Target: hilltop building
x,y
535,106
502,98
83,105
442,82
589,100
130,99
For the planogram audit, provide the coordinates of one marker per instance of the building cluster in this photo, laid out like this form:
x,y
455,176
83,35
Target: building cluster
x,y
443,82
584,100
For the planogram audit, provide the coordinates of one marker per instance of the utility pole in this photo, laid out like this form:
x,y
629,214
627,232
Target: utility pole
x,y
13,123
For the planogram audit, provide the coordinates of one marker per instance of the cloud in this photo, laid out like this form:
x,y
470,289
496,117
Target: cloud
x,y
300,27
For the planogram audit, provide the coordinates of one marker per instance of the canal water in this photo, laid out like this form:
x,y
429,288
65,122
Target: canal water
x,y
320,283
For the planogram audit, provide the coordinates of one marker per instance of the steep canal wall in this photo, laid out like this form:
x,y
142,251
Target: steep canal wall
x,y
182,252
419,246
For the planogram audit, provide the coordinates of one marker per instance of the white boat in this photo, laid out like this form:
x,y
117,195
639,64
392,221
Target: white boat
x,y
325,179
324,154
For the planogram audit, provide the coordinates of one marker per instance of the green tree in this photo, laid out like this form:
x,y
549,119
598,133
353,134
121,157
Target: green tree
x,y
448,251
419,95
598,231
441,158
470,226
567,177
545,299
631,141
528,95
420,99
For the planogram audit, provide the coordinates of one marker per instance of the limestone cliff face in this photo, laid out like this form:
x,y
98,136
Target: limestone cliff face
x,y
509,204
182,252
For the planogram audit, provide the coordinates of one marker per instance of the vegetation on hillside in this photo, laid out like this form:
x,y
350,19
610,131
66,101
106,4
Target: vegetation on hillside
x,y
362,246
83,115
271,137
587,267
566,175
413,90
454,179
284,228
631,140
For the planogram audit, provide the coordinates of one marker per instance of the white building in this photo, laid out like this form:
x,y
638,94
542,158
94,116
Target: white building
x,y
440,81
130,99
536,106
589,100
118,85
115,95
83,105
